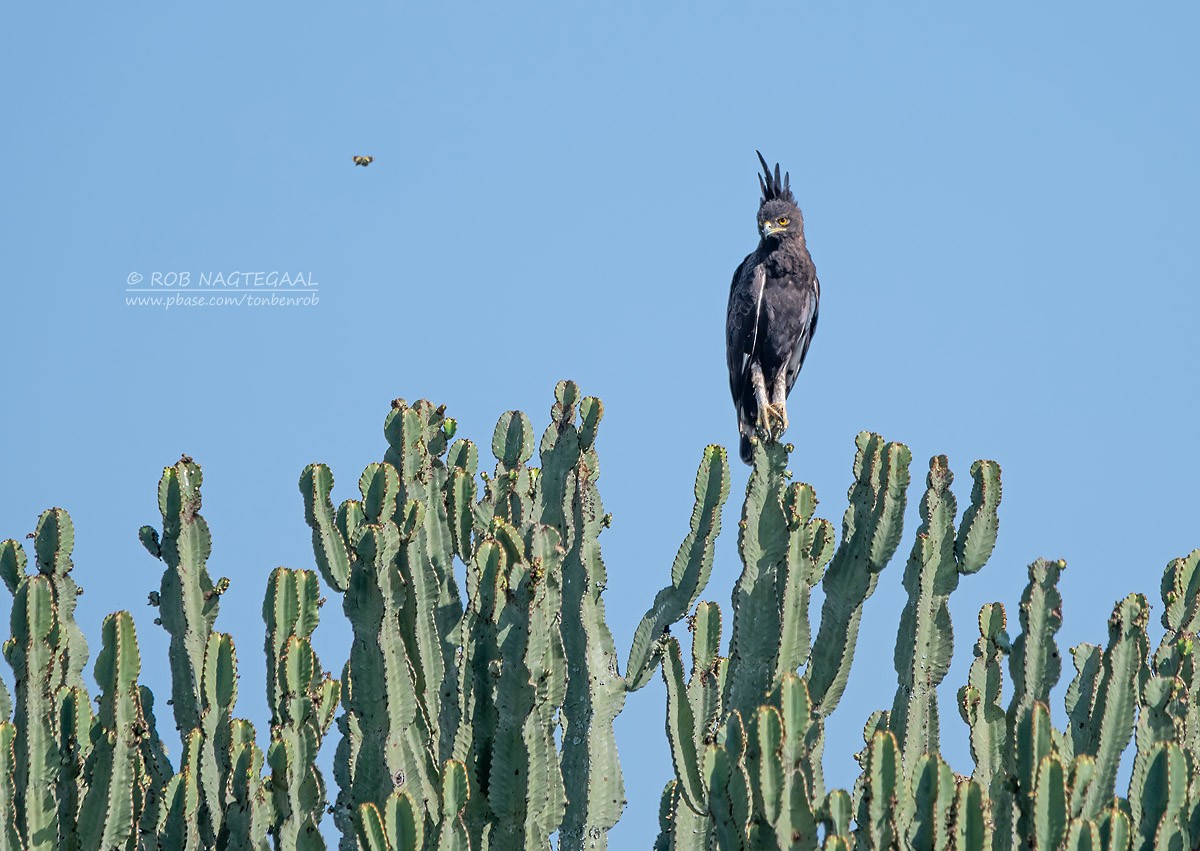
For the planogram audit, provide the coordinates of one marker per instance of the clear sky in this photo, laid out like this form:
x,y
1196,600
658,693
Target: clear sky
x,y
1001,200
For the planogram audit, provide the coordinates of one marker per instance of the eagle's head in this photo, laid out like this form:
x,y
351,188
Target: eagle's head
x,y
778,216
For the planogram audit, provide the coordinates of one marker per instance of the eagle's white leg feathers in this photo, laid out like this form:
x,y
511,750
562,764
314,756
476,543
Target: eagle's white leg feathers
x,y
780,406
769,414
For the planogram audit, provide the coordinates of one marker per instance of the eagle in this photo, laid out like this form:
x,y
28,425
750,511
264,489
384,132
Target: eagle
x,y
772,315
363,161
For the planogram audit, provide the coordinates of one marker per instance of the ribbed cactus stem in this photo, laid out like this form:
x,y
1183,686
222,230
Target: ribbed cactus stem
x,y
10,835
940,554
1158,797
1119,684
218,694
681,732
247,815
178,824
1171,700
417,438
47,653
460,492
330,545
53,541
762,543
925,815
810,545
871,529
595,689
112,808
693,713
74,722
883,783
690,571
979,703
525,788
456,791
188,599
972,826
303,699
383,735
1034,741
1035,663
666,806
31,652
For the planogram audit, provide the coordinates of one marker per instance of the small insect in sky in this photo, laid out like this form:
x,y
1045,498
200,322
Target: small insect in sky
x,y
363,161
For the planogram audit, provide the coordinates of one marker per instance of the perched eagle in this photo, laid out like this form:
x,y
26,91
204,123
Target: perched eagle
x,y
772,314
364,161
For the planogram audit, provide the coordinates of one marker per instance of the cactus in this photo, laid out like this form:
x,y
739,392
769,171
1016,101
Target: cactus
x,y
417,438
694,708
980,706
47,652
595,691
878,819
871,530
972,827
10,835
303,700
384,736
1119,682
178,825
525,787
188,599
398,827
690,572
31,653
117,776
939,556
486,721
925,814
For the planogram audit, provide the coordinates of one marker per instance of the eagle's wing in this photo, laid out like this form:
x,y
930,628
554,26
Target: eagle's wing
x,y
809,305
741,325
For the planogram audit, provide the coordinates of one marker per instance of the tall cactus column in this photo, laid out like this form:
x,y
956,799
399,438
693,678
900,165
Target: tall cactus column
x,y
925,641
303,699
595,689
47,653
188,600
385,743
203,668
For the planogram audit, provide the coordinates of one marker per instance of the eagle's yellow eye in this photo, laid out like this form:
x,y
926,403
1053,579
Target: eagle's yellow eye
x,y
784,221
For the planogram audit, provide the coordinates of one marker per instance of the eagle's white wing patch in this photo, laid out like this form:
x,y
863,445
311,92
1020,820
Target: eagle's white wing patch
x,y
760,284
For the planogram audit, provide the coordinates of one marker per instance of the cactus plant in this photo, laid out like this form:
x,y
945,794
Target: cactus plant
x,y
188,600
117,776
303,699
484,720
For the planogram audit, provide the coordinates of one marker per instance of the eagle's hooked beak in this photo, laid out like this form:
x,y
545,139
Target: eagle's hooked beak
x,y
770,228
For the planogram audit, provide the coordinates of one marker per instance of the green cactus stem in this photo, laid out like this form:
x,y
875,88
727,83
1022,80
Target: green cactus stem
x,y
925,642
871,530
303,700
595,689
188,600
690,571
111,809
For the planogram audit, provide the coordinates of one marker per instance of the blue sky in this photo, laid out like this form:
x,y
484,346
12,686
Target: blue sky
x,y
1000,200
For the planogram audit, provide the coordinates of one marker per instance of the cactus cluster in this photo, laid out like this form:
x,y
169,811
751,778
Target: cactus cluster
x,y
441,686
481,717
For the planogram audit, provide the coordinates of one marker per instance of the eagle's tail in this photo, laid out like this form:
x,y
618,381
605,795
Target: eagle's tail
x,y
747,418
